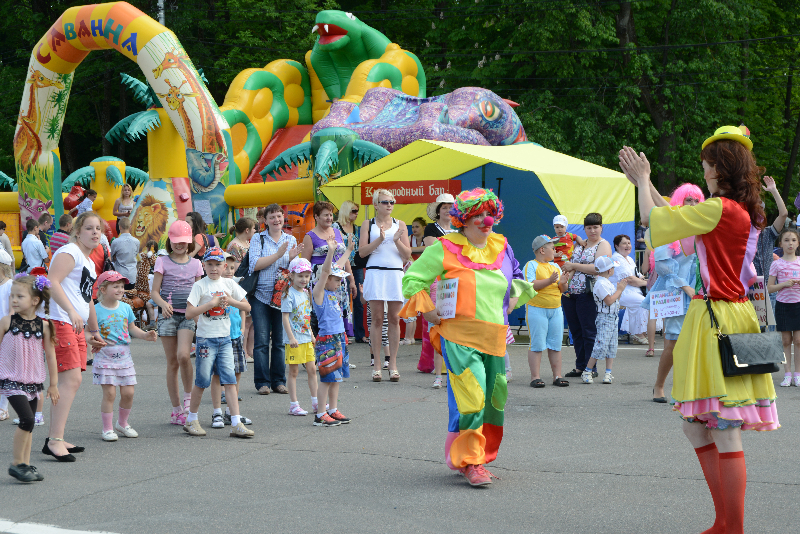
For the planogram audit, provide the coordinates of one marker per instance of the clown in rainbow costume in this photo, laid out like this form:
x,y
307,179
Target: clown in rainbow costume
x,y
473,343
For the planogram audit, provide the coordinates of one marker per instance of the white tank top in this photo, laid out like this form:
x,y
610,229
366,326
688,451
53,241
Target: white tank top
x,y
386,257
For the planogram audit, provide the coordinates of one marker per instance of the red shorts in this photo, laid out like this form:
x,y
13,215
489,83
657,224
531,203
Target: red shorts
x,y
70,348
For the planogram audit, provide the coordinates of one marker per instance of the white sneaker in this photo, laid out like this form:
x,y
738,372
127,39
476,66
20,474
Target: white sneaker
x,y
126,431
437,382
297,410
586,376
352,366
795,381
217,421
385,364
508,375
787,381
607,378
110,435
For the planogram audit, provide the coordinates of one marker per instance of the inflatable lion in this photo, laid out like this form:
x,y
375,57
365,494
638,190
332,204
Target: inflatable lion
x,y
150,220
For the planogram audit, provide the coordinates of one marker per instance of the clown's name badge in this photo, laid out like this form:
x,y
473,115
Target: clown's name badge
x,y
446,298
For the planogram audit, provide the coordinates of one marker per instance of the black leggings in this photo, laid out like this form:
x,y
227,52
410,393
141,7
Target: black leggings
x,y
25,409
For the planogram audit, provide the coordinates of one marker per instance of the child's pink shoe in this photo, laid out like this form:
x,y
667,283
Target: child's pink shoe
x,y
178,418
297,410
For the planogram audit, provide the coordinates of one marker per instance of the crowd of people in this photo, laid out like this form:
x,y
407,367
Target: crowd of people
x,y
271,301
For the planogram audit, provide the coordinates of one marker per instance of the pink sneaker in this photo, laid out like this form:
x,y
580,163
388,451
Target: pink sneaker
x,y
314,406
477,475
297,410
178,419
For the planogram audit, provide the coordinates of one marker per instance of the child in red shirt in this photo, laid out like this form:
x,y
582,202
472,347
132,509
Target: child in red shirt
x,y
566,241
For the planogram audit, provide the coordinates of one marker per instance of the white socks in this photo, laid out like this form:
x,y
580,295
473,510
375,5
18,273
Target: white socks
x,y
191,417
235,420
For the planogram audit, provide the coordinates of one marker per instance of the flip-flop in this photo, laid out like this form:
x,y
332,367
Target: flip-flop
x,y
537,383
560,382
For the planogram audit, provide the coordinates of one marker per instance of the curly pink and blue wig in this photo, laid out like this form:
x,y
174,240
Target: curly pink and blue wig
x,y
472,202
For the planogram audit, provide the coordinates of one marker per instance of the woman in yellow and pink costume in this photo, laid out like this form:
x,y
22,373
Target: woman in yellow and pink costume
x,y
473,343
715,408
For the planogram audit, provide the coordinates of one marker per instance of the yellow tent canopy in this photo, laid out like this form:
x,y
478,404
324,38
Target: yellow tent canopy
x,y
574,187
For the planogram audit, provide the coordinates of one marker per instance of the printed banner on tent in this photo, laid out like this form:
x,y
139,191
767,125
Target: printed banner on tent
x,y
665,304
762,303
416,192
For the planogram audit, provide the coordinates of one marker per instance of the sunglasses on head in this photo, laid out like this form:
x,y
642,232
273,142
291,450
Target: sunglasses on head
x,y
386,202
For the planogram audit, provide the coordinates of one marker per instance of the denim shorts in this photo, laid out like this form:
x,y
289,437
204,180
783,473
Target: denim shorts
x,y
239,359
672,327
178,321
545,327
213,353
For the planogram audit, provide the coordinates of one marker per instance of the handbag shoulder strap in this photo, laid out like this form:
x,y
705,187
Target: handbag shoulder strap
x,y
714,323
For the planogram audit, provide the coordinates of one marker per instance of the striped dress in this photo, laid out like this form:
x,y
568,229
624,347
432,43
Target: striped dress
x,y
22,363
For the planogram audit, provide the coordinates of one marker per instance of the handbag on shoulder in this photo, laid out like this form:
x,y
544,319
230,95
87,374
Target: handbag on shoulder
x,y
249,281
747,354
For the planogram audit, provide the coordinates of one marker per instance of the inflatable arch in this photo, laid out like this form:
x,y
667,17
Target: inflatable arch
x,y
186,103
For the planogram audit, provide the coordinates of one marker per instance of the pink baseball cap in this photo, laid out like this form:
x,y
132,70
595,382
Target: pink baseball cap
x,y
299,265
108,276
180,232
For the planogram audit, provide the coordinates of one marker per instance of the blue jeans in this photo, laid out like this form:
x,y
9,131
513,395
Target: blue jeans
x,y
581,312
358,308
269,366
213,353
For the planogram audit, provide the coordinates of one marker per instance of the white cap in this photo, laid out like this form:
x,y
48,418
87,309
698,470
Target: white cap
x,y
604,263
560,219
5,257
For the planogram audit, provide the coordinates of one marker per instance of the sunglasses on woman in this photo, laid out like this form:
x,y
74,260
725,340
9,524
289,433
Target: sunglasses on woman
x,y
354,211
386,202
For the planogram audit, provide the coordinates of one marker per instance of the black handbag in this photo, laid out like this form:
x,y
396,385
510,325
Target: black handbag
x,y
249,280
748,354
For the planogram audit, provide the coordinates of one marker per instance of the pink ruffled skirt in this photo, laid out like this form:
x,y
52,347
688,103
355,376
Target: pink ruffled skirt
x,y
763,415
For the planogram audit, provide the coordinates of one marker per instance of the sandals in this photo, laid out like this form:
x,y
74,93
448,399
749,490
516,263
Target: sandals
x,y
377,376
560,382
574,373
537,383
394,375
650,353
3,415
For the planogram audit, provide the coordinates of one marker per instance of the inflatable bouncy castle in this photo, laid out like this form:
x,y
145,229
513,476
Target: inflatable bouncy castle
x,y
357,98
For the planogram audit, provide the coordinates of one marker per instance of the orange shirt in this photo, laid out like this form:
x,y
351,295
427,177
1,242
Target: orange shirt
x,y
564,247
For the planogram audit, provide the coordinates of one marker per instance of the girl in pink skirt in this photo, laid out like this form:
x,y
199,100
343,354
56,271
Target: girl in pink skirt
x,y
113,366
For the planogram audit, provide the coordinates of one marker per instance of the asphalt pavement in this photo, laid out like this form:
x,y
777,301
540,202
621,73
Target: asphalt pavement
x,y
582,459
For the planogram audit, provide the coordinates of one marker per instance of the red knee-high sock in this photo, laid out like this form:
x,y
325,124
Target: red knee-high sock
x,y
733,477
709,462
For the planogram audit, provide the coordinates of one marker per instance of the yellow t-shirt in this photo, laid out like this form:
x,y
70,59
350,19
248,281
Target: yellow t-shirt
x,y
550,296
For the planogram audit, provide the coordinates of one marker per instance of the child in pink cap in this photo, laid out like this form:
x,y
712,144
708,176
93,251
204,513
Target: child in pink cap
x,y
296,315
113,365
173,278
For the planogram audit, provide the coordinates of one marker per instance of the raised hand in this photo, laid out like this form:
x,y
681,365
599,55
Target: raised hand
x,y
635,166
383,234
769,184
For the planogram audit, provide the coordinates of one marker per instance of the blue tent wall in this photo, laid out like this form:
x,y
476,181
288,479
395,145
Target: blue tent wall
x,y
528,212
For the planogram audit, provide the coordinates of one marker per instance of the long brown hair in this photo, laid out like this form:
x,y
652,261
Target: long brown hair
x,y
44,299
738,176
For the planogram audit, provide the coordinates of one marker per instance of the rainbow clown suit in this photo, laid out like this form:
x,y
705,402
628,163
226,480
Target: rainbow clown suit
x,y
474,342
